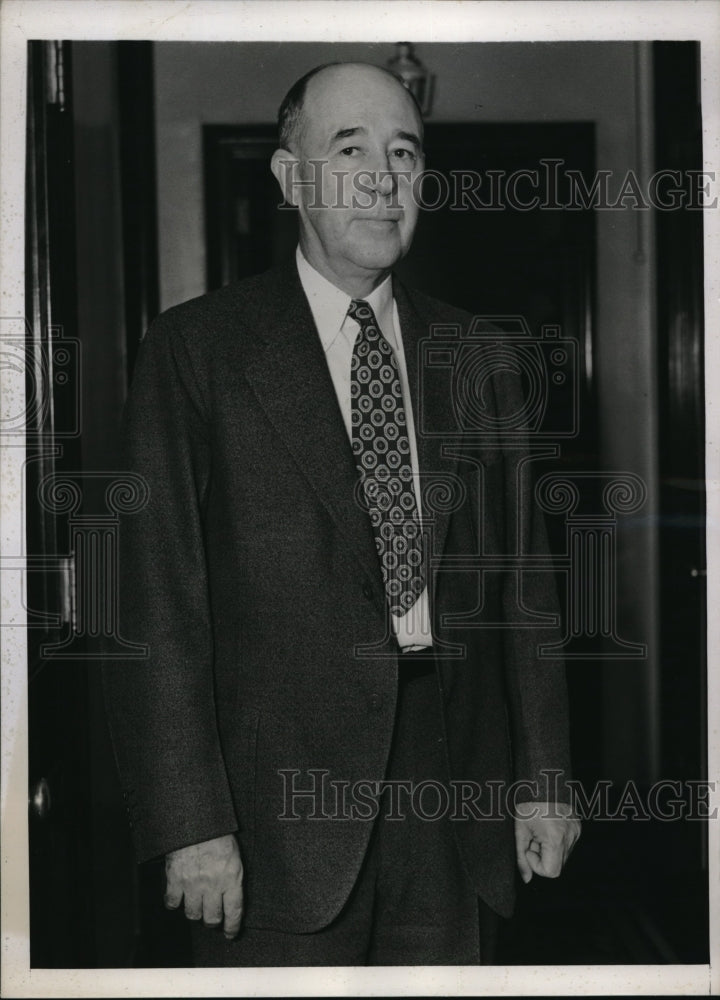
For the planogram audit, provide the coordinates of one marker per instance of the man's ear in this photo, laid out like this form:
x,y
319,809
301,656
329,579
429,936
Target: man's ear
x,y
286,170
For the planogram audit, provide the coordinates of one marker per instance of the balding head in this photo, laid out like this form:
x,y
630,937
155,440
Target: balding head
x,y
291,113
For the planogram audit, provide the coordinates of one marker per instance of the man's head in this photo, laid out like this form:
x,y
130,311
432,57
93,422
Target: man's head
x,y
351,138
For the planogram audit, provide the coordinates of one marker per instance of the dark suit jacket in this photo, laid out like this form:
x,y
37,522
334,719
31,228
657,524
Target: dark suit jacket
x,y
252,575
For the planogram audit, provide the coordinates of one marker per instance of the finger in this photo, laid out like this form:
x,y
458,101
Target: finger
x,y
233,907
172,899
173,892
524,867
534,863
548,863
193,905
522,841
212,909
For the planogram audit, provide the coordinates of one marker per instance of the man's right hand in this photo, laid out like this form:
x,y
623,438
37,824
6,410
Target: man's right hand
x,y
209,876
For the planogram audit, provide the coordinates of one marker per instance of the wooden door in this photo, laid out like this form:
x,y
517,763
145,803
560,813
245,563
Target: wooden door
x,y
59,828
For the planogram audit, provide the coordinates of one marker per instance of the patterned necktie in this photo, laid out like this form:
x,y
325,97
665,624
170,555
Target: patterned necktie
x,y
382,453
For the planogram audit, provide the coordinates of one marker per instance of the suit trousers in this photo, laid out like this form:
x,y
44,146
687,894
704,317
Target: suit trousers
x,y
412,903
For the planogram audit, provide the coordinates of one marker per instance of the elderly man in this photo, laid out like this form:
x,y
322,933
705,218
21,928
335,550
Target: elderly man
x,y
320,673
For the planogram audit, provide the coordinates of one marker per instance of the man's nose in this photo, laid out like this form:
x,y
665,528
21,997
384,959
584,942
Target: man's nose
x,y
382,176
386,180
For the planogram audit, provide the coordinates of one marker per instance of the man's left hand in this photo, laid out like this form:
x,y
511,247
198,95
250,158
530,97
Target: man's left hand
x,y
545,834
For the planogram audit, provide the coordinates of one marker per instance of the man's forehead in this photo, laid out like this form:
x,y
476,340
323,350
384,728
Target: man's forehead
x,y
364,93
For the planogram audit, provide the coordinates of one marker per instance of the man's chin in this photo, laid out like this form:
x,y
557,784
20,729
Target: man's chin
x,y
381,256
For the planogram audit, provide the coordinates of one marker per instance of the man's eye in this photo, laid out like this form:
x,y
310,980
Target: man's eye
x,y
348,150
405,154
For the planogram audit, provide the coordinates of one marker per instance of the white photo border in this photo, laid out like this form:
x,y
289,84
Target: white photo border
x,y
257,20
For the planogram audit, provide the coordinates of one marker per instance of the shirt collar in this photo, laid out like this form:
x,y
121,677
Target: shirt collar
x,y
329,304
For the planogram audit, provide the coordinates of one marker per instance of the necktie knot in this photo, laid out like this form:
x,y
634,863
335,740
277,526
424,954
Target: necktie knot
x,y
361,312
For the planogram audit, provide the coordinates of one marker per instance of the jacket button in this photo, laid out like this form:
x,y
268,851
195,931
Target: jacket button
x,y
376,702
367,590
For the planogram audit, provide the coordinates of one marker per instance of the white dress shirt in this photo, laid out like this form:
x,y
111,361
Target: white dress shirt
x,y
329,306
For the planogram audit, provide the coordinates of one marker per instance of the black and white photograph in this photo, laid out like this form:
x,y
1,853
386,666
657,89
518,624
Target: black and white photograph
x,y
359,498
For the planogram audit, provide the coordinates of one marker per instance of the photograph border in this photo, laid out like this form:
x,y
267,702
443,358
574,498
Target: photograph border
x,y
343,20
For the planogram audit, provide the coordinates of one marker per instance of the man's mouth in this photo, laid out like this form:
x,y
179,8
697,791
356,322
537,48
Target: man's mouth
x,y
390,217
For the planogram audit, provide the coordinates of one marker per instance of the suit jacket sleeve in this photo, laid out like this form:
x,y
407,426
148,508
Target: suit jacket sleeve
x,y
536,687
161,708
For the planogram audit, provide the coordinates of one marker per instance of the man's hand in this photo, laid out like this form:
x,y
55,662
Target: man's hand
x,y
210,878
545,834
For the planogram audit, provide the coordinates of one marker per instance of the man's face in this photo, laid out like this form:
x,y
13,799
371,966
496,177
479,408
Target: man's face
x,y
359,216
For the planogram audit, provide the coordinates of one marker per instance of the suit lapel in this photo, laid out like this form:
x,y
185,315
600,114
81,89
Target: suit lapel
x,y
432,413
289,375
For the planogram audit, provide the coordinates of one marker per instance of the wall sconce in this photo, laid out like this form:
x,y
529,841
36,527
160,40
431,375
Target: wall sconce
x,y
413,75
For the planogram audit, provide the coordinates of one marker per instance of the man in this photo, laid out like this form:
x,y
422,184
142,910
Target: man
x,y
293,580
